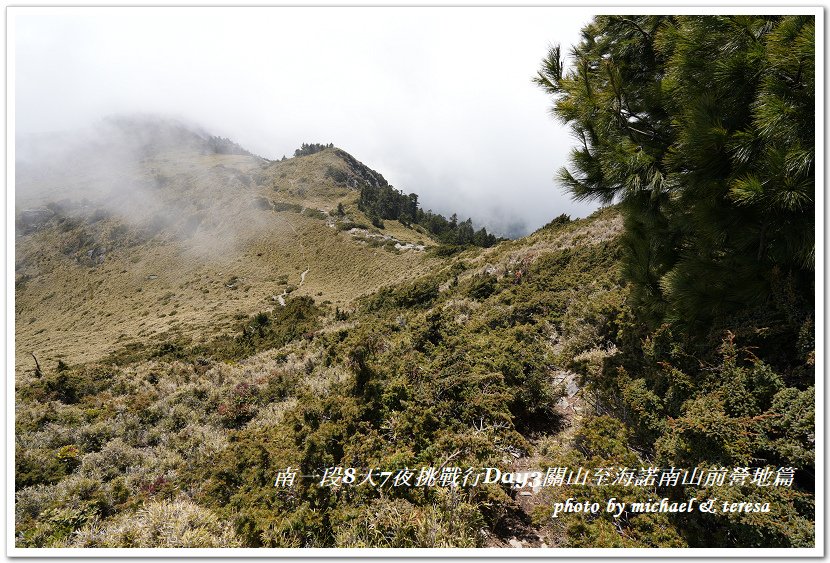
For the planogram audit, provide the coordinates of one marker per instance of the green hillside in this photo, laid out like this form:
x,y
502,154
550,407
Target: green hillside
x,y
462,362
217,350
180,243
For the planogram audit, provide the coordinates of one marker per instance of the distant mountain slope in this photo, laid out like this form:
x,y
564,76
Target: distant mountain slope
x,y
460,362
201,321
145,231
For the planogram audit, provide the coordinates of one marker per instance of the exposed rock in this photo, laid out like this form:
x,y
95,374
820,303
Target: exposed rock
x,y
96,255
361,175
409,246
569,381
31,220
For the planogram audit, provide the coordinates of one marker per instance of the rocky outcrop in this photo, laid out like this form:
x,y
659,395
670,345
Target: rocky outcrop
x,y
361,175
31,220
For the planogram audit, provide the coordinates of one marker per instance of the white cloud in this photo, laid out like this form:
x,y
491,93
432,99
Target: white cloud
x,y
439,100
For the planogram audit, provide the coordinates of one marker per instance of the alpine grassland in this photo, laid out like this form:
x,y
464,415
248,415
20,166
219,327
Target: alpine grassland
x,y
214,349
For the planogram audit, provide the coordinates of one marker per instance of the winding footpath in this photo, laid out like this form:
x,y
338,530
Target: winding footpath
x,y
281,298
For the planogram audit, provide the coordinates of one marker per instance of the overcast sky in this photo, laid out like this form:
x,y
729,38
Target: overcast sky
x,y
439,100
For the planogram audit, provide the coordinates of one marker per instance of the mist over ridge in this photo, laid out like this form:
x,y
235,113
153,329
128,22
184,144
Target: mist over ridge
x,y
252,309
440,101
108,156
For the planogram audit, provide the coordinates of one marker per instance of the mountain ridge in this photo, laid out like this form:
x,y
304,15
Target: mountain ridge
x,y
210,216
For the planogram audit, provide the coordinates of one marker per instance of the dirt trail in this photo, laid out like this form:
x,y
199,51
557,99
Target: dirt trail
x,y
281,298
519,529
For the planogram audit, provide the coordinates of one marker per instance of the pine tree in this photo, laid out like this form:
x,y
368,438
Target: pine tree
x,y
701,127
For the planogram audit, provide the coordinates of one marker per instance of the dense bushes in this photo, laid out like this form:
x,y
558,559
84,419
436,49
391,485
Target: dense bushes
x,y
179,523
456,368
420,293
69,385
403,408
385,202
307,149
430,379
703,129
299,317
667,408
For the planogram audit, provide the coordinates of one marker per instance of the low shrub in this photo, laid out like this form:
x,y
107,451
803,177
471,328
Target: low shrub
x,y
159,524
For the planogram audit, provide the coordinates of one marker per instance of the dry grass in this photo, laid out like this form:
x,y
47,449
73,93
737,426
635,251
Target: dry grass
x,y
157,422
602,227
193,283
178,523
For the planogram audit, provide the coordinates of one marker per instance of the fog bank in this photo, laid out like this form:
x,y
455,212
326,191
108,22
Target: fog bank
x,y
439,100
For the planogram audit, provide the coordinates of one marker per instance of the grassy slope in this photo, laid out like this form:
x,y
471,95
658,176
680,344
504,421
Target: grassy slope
x,y
476,360
217,256
178,423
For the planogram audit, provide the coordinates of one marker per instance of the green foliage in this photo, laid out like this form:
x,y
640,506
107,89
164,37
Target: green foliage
x,y
397,523
315,214
422,389
348,225
285,206
283,324
447,250
56,525
731,410
261,331
706,432
456,368
482,287
790,427
239,485
36,467
703,128
68,456
382,201
68,385
307,149
558,221
416,294
605,442
160,524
